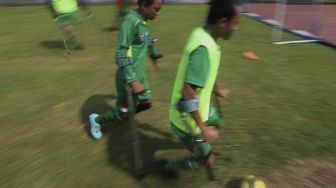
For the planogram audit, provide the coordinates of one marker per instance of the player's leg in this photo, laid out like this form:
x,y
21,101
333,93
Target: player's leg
x,y
114,114
66,22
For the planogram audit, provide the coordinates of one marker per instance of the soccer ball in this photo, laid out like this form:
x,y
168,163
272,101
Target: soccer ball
x,y
251,181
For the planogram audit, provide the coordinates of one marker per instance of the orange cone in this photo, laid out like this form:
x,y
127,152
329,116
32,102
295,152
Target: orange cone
x,y
250,56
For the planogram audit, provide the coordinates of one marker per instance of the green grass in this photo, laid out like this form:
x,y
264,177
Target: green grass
x,y
282,107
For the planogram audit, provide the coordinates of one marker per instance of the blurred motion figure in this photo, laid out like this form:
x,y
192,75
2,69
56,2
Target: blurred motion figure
x,y
122,7
134,45
65,14
193,120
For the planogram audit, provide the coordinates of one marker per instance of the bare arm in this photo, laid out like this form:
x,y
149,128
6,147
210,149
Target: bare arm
x,y
220,91
83,5
51,9
209,133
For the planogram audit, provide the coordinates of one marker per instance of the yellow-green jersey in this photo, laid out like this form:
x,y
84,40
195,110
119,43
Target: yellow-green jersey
x,y
64,6
199,37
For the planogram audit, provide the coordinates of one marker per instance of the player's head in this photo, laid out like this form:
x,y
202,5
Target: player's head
x,y
150,8
224,15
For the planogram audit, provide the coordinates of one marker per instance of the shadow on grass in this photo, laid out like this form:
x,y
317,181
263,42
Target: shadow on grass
x,y
110,29
119,149
53,44
234,183
121,152
56,45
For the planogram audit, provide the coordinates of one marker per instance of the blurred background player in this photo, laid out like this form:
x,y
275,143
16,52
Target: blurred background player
x,y
65,13
122,8
134,44
192,118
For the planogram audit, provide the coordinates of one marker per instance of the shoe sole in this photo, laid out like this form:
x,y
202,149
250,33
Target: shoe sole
x,y
95,129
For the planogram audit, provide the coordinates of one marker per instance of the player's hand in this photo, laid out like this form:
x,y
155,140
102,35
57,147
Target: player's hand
x,y
137,87
221,92
55,15
156,67
155,61
209,133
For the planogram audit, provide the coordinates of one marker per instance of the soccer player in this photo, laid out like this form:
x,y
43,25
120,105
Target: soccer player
x,y
65,14
192,118
123,7
134,44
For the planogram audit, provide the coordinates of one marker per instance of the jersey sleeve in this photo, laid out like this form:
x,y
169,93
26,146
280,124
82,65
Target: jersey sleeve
x,y
198,67
125,38
123,53
153,51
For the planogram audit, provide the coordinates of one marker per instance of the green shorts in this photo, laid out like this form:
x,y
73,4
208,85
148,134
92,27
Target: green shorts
x,y
66,19
122,97
122,93
214,118
197,144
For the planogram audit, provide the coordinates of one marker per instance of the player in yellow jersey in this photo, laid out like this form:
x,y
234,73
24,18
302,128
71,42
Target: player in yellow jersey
x,y
192,118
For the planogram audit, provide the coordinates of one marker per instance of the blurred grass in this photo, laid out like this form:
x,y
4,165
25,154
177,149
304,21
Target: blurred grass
x,y
282,107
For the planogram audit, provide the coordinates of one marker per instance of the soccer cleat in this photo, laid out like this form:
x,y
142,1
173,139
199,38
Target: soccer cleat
x,y
95,128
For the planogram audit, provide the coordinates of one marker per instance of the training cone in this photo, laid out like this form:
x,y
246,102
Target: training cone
x,y
251,181
250,56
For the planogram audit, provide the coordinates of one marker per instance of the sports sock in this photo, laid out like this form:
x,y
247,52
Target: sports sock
x,y
73,40
106,117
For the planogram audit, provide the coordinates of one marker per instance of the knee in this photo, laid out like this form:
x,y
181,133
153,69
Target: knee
x,y
67,29
203,154
214,118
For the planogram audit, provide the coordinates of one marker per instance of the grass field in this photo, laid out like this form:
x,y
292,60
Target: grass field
x,y
282,108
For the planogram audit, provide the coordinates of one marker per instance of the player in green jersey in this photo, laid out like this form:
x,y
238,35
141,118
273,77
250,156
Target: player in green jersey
x,y
192,118
134,45
122,7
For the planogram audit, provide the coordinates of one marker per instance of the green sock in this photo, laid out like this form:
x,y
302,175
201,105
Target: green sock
x,y
186,163
189,163
73,39
106,117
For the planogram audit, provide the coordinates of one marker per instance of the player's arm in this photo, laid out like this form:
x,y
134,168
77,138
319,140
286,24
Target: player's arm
x,y
51,9
189,93
83,5
220,91
154,53
123,54
196,76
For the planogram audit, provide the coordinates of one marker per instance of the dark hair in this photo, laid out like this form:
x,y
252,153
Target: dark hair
x,y
147,2
220,9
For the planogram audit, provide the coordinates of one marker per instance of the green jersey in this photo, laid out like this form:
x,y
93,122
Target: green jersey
x,y
132,46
